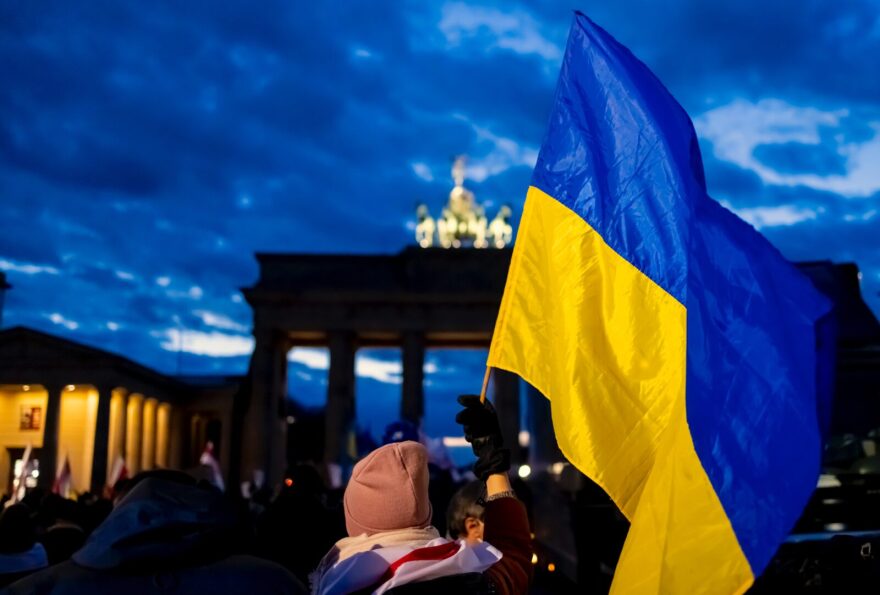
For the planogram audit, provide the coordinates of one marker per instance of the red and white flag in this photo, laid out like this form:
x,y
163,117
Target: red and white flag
x,y
19,488
118,472
383,568
62,479
209,460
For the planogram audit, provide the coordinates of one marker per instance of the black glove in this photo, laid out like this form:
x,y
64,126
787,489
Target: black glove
x,y
481,429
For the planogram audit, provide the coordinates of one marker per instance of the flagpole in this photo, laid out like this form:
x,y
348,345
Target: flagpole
x,y
485,384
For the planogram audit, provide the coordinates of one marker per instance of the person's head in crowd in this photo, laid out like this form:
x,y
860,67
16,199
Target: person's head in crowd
x,y
400,431
388,517
33,499
464,517
20,554
168,532
124,486
388,491
17,529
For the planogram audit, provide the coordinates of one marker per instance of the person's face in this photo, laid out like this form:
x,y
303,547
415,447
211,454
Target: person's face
x,y
473,530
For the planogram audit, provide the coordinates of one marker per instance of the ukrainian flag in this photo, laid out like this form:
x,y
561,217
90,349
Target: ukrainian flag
x,y
678,348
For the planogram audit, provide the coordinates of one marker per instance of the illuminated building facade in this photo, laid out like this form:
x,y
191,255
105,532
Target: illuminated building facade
x,y
67,400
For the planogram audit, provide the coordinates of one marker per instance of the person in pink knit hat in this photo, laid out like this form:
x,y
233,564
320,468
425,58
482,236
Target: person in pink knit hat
x,y
393,548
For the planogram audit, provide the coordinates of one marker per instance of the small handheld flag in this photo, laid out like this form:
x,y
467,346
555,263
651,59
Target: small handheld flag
x,y
678,348
61,485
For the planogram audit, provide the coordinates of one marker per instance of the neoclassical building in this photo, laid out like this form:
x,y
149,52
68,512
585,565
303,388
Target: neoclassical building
x,y
67,400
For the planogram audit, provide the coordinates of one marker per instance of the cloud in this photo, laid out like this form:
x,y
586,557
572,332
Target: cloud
x,y
740,130
60,320
27,268
422,170
366,366
220,321
389,372
316,359
213,343
773,216
516,30
496,154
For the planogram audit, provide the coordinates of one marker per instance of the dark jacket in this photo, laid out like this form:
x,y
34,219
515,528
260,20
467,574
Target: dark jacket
x,y
163,537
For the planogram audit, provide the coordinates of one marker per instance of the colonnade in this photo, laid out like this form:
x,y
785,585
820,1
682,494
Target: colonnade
x,y
117,422
265,429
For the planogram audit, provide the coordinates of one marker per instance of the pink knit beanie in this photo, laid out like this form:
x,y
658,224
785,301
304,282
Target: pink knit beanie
x,y
388,490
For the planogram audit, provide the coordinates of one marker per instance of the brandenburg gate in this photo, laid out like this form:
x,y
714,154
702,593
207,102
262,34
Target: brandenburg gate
x,y
427,296
415,300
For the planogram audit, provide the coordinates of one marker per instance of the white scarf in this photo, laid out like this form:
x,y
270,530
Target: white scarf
x,y
356,563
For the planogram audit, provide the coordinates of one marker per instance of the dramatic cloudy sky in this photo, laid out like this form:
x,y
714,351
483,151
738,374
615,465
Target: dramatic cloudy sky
x,y
148,150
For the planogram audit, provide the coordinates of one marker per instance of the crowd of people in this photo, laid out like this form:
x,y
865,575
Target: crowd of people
x,y
396,527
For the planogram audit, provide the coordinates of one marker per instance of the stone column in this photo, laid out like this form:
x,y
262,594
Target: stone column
x,y
340,411
506,401
412,404
133,417
118,421
51,425
264,444
101,450
163,436
148,435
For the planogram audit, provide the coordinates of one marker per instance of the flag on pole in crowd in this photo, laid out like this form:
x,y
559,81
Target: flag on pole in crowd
x,y
61,486
680,351
118,472
210,461
19,482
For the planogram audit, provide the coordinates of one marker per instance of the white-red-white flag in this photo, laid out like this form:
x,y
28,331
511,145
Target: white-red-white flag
x,y
118,471
19,488
209,460
62,479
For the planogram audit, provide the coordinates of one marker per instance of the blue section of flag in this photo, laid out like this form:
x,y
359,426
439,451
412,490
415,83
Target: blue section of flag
x,y
753,378
621,152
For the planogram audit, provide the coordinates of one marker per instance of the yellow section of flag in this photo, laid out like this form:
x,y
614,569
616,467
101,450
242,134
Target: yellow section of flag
x,y
607,346
601,340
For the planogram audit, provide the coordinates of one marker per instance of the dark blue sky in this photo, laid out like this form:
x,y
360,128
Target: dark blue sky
x,y
148,150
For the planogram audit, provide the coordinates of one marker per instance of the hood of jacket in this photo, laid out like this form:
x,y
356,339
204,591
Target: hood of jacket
x,y
162,523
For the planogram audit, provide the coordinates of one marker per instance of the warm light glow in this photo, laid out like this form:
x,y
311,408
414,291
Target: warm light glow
x,y
557,468
70,388
524,471
534,558
26,387
288,482
551,567
524,438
